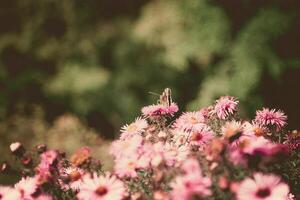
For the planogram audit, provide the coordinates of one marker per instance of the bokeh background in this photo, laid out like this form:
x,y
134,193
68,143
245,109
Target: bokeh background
x,y
73,71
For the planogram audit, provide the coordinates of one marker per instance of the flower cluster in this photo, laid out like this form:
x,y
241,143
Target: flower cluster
x,y
206,154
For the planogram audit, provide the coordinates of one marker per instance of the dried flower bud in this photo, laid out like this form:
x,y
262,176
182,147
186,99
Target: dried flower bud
x,y
81,156
234,186
4,167
41,148
213,166
223,182
27,161
17,149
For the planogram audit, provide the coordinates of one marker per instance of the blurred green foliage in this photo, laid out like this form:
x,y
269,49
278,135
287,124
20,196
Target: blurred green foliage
x,y
100,61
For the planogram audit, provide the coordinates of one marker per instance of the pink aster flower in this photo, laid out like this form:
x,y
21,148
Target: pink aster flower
x,y
126,148
190,185
225,106
262,187
267,117
191,166
206,112
159,109
137,127
71,178
201,136
234,132
43,197
174,155
49,157
9,193
254,129
101,188
126,167
189,121
43,173
26,186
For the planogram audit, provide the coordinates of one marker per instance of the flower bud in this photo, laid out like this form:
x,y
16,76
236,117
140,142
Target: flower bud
x,y
17,149
4,167
27,161
223,182
41,148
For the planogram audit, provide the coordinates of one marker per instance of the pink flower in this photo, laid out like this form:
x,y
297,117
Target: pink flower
x,y
43,197
254,129
254,150
126,167
262,187
225,106
174,155
233,131
43,173
126,148
191,166
159,109
49,157
137,127
101,188
267,117
9,193
189,121
201,136
206,112
26,186
73,177
190,185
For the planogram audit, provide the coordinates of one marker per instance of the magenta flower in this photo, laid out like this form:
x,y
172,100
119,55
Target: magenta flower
x,y
262,187
267,117
159,110
101,188
225,106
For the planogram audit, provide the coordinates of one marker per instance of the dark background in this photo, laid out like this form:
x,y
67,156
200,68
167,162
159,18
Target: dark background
x,y
98,59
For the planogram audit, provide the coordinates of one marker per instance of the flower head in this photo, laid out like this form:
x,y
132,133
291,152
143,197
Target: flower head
x,y
225,106
9,193
190,185
267,117
201,136
159,110
72,177
137,127
26,186
189,121
49,157
101,188
262,187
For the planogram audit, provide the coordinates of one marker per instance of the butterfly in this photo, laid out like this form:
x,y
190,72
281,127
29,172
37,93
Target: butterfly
x,y
165,98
